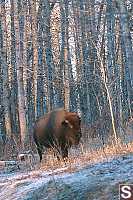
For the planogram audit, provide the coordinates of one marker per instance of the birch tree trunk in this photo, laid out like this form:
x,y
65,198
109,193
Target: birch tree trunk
x,y
46,12
35,51
5,74
21,96
14,86
2,123
127,49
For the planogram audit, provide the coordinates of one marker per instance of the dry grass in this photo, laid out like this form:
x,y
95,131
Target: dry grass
x,y
84,157
89,153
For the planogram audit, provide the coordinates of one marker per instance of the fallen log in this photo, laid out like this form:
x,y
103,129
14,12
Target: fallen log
x,y
8,164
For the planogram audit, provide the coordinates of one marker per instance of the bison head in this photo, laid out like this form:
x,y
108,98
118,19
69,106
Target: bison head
x,y
72,128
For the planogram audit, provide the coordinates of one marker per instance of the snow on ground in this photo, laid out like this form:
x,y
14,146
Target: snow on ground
x,y
98,181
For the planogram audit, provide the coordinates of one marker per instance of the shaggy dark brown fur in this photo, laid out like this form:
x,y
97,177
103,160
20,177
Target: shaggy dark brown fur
x,y
58,130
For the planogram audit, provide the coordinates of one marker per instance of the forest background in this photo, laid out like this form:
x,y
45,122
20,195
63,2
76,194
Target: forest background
x,y
68,53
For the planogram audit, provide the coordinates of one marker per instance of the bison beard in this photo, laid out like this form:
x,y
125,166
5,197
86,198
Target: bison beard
x,y
58,130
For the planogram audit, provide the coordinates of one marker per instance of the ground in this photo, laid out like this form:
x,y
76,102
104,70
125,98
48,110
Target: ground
x,y
99,180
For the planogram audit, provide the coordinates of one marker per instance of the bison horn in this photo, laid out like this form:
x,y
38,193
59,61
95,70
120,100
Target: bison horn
x,y
66,122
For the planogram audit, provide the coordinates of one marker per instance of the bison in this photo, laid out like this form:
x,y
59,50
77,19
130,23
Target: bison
x,y
58,130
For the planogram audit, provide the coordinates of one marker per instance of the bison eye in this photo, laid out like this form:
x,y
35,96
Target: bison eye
x,y
66,123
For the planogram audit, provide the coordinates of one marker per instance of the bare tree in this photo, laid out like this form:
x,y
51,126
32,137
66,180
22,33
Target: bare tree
x,y
21,96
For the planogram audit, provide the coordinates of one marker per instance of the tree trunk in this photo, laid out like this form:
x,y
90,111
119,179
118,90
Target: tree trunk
x,y
5,74
21,96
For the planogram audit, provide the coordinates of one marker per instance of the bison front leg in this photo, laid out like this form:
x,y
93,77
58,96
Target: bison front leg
x,y
40,150
64,152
